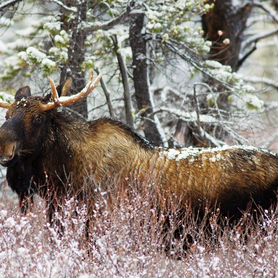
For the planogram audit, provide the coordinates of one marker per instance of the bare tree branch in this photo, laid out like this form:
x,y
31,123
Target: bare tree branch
x,y
256,38
65,7
110,24
104,104
8,4
191,117
214,141
107,96
193,59
267,9
263,80
123,70
246,55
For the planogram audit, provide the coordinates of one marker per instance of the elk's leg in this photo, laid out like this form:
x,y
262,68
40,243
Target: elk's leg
x,y
53,213
25,201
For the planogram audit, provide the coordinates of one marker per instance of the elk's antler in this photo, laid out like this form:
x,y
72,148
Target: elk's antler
x,y
5,105
69,100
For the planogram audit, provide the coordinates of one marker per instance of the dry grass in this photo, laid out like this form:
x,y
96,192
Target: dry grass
x,y
128,241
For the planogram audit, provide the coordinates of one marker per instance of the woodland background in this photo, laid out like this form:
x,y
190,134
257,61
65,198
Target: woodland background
x,y
181,73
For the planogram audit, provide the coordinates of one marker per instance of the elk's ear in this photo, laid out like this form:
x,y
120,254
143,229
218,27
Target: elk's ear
x,y
47,98
23,92
64,89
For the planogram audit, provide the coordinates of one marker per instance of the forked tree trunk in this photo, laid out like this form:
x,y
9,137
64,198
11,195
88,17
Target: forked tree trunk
x,y
223,26
143,98
76,51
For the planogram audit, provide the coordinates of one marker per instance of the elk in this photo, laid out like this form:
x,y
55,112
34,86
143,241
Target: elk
x,y
50,151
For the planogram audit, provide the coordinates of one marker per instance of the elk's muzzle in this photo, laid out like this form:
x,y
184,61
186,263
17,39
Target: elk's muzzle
x,y
7,153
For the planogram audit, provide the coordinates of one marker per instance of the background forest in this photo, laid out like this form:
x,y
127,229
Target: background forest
x,y
181,73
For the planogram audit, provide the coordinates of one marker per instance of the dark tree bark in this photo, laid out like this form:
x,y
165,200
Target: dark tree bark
x,y
275,4
76,51
224,26
138,45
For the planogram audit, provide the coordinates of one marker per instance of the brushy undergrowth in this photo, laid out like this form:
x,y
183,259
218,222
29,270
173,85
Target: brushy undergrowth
x,y
128,241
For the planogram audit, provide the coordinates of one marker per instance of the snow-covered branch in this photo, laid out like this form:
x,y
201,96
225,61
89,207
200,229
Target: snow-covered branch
x,y
191,116
263,80
109,24
65,7
8,4
194,60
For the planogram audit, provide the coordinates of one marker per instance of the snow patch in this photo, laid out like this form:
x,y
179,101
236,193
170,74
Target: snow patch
x,y
36,54
5,22
216,155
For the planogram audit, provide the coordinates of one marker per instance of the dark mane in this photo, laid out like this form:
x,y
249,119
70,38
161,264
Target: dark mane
x,y
66,115
134,135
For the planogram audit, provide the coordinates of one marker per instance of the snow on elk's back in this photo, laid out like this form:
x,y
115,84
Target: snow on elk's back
x,y
213,154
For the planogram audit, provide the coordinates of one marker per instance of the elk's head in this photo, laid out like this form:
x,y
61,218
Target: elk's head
x,y
28,117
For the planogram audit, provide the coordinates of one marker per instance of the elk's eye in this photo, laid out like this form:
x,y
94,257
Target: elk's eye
x,y
37,120
7,116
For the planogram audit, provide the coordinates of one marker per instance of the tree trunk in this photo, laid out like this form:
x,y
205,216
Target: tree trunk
x,y
76,51
275,4
224,26
143,98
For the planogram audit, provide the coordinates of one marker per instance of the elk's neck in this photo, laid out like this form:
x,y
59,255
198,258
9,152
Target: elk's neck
x,y
114,150
102,149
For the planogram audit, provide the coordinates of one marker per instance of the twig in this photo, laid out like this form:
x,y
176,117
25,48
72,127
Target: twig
x,y
267,9
246,55
213,140
65,7
104,104
190,116
240,139
196,61
255,39
123,71
107,95
270,141
197,106
8,4
110,24
266,81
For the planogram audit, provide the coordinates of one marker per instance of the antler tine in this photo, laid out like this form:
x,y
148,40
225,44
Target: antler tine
x,y
69,100
56,103
54,92
88,89
91,77
4,104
